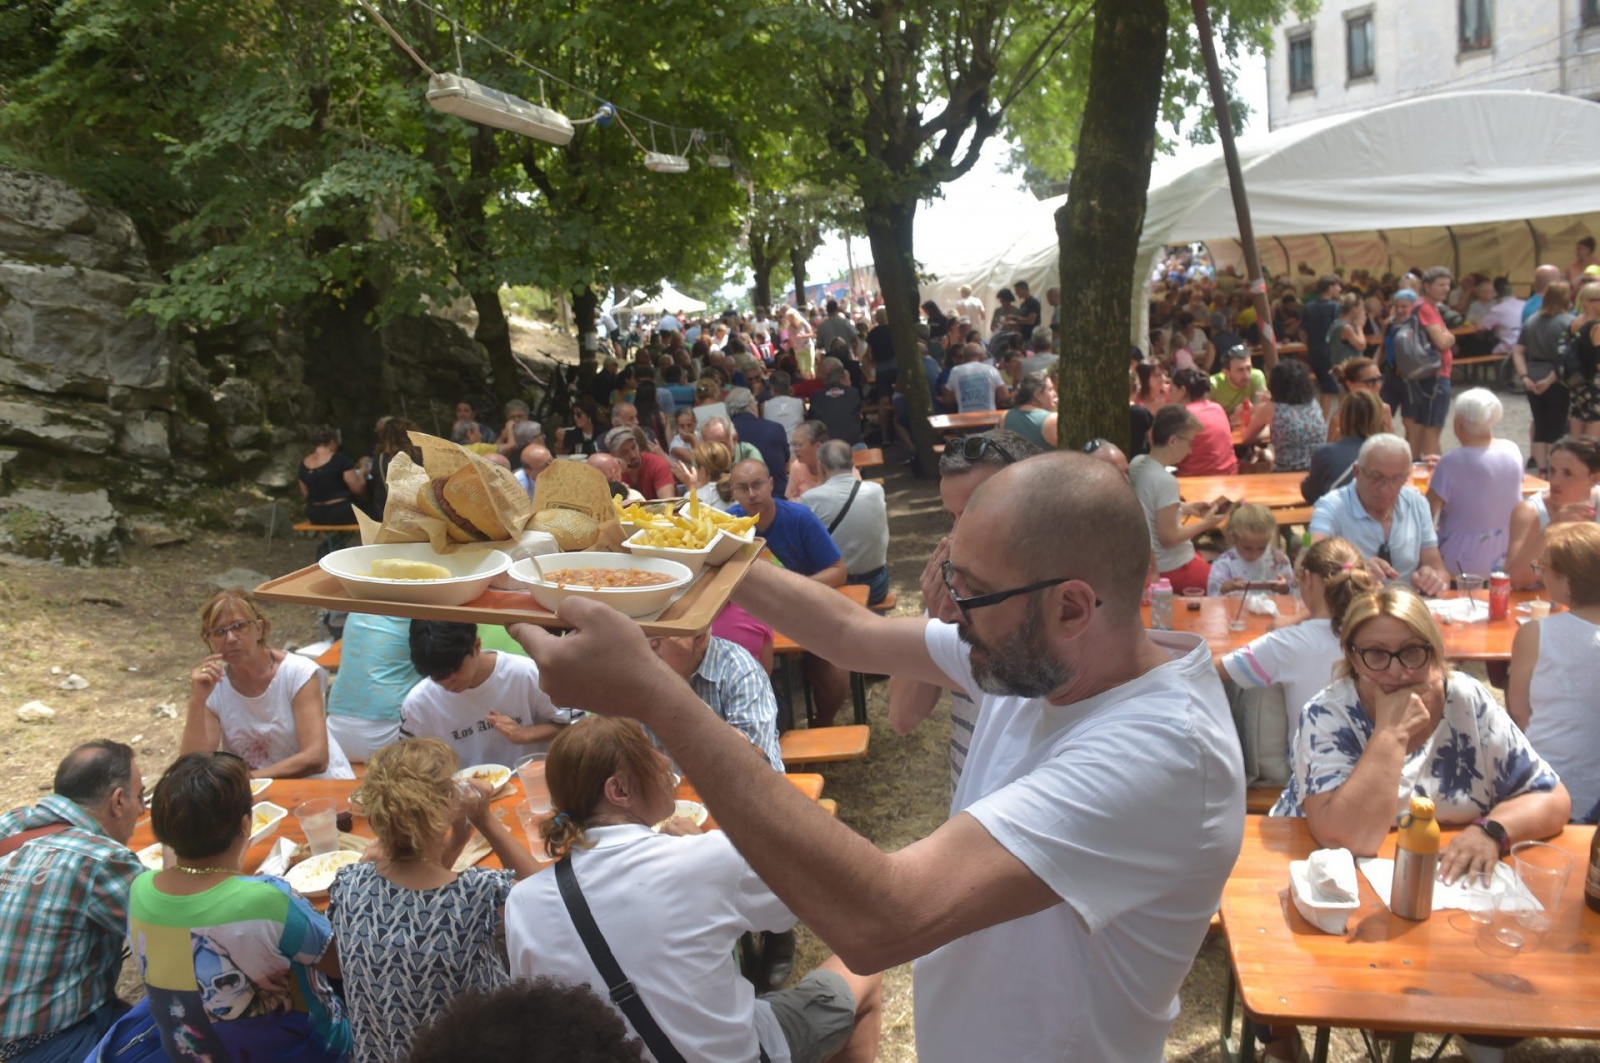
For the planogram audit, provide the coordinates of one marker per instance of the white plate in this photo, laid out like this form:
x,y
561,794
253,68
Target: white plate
x,y
150,856
259,786
312,876
471,571
267,817
630,601
496,775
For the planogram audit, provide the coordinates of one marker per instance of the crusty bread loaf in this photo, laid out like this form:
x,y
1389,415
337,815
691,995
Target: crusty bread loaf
x,y
401,568
570,529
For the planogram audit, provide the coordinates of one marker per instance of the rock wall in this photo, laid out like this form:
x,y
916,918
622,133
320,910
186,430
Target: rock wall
x,y
105,416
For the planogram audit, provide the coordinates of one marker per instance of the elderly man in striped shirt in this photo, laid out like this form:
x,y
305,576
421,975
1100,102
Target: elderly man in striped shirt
x,y
725,677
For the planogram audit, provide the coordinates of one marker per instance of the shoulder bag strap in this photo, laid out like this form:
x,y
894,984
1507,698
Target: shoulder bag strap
x,y
617,984
847,502
21,838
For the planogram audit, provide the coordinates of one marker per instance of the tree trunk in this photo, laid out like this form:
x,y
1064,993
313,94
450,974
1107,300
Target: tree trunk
x,y
495,334
1100,224
889,232
797,269
586,311
762,265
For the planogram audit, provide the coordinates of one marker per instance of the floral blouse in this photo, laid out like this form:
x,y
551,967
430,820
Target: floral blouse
x,y
1475,759
1296,432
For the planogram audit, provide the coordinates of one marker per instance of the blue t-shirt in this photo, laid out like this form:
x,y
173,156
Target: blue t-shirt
x,y
797,538
375,668
1532,306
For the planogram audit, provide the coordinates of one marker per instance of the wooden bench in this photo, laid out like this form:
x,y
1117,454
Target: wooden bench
x,y
327,529
1484,365
824,745
869,458
1258,800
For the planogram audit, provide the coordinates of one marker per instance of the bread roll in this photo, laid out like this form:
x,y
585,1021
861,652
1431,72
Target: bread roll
x,y
570,529
467,496
400,568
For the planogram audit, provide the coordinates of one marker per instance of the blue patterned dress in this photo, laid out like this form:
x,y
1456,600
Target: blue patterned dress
x,y
1475,759
406,953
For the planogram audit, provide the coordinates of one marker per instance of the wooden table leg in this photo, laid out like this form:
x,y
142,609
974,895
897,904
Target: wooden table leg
x,y
858,694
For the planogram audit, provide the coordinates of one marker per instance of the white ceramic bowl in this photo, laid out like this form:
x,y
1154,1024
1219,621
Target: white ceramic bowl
x,y
693,560
471,571
496,775
312,876
1330,917
726,544
267,818
630,601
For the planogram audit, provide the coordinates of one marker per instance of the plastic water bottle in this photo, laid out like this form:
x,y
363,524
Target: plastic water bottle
x,y
1416,861
1161,605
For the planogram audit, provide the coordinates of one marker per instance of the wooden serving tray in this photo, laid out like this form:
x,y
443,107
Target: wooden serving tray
x,y
689,615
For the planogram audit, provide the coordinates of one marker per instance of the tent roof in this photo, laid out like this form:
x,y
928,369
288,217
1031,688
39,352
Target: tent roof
x,y
1453,159
670,301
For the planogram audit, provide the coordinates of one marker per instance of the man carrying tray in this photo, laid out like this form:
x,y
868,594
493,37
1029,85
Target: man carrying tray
x,y
1056,913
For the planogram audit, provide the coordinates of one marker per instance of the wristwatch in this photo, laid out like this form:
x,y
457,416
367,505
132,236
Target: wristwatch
x,y
1496,831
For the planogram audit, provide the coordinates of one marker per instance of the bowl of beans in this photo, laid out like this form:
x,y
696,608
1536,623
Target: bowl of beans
x,y
632,584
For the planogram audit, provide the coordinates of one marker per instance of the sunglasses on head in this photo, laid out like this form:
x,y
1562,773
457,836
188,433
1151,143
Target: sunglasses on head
x,y
973,448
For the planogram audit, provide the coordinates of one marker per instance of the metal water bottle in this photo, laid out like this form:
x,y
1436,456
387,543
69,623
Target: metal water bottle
x,y
1416,862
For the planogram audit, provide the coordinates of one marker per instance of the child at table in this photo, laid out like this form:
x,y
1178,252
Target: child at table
x,y
1251,558
411,932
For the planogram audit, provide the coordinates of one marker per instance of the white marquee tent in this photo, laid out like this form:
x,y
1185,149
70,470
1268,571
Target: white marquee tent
x,y
670,301
1494,182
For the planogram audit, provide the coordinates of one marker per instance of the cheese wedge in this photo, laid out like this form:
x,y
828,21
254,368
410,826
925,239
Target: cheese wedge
x,y
399,568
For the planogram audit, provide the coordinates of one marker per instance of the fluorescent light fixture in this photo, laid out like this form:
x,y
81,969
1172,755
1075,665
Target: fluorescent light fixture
x,y
465,98
661,162
721,162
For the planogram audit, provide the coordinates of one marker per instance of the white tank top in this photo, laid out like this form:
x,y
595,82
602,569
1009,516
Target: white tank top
x,y
1542,511
1565,723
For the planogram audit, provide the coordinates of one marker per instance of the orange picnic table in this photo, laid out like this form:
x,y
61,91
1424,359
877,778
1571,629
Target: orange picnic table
x,y
1394,975
287,793
1480,640
787,652
1281,490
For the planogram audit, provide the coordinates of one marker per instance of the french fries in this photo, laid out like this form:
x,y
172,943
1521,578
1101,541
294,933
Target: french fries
x,y
679,532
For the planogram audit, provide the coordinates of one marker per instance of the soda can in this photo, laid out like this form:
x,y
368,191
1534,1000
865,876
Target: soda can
x,y
1499,595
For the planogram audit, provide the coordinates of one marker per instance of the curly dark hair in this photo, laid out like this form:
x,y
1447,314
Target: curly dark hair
x,y
1291,384
541,1021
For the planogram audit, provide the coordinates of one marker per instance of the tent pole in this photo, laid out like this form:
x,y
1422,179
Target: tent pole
x,y
1241,204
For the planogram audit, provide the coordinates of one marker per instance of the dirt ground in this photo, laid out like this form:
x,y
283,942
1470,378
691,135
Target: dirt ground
x,y
132,633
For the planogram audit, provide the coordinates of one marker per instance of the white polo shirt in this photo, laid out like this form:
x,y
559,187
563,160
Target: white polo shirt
x,y
671,909
863,536
1130,806
512,689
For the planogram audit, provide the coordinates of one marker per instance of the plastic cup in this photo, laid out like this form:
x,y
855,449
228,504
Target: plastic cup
x,y
1194,592
1538,609
531,819
319,820
1480,903
530,769
1510,910
1543,870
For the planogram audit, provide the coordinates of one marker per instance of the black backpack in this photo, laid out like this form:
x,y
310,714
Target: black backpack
x,y
1415,356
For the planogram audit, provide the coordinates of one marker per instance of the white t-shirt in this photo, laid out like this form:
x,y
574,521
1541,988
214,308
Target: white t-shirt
x,y
785,410
512,689
974,384
1130,806
1157,489
261,729
972,309
1565,724
1300,658
671,909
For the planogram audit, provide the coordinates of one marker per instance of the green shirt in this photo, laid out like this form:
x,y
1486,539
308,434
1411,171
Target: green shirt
x,y
1229,396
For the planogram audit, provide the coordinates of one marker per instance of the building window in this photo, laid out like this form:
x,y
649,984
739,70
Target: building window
x,y
1300,73
1589,12
1358,46
1477,25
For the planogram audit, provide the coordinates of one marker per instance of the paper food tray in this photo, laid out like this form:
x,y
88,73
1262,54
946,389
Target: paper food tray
x,y
690,613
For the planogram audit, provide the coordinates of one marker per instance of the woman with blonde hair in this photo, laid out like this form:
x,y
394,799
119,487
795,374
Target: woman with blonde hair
x,y
799,338
1398,722
608,786
265,705
1551,693
713,463
1584,413
413,933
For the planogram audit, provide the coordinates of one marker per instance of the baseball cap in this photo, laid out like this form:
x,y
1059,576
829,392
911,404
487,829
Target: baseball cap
x,y
1405,295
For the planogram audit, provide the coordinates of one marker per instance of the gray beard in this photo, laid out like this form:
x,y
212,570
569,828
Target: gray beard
x,y
1018,666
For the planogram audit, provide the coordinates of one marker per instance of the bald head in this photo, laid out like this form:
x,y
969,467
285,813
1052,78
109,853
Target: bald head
x,y
608,465
498,459
1066,514
1112,455
1545,276
536,458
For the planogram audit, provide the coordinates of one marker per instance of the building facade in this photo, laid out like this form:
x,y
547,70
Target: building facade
x,y
1357,54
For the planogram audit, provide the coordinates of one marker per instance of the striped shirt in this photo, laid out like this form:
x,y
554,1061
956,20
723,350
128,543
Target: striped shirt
x,y
963,718
733,683
63,918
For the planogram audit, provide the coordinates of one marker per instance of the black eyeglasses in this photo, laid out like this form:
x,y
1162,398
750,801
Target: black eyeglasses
x,y
1411,658
973,448
978,601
